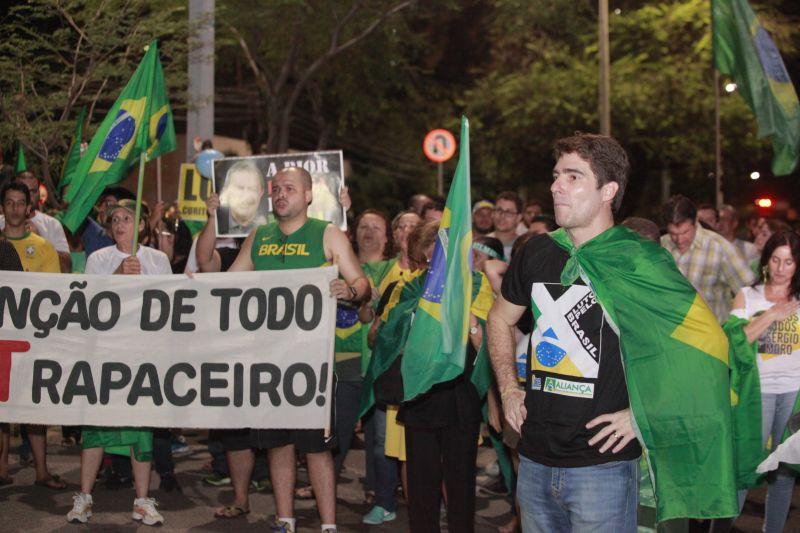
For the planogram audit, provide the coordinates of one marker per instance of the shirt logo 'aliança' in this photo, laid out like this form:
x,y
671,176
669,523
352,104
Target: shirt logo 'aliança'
x,y
283,249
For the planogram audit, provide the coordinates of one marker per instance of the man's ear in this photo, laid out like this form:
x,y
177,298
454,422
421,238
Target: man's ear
x,y
609,190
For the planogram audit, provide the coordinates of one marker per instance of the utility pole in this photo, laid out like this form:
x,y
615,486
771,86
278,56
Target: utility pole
x,y
200,92
604,107
718,199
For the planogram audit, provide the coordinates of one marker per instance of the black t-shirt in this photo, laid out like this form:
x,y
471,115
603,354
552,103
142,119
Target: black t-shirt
x,y
575,368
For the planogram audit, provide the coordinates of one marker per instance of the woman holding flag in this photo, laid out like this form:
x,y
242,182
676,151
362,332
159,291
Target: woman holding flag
x,y
772,306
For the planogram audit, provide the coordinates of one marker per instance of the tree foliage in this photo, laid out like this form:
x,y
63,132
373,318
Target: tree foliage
x,y
542,84
59,55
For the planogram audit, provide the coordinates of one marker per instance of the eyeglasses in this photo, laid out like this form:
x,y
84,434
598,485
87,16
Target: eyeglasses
x,y
503,213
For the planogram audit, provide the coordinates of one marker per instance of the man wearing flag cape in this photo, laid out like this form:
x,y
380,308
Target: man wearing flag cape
x,y
625,359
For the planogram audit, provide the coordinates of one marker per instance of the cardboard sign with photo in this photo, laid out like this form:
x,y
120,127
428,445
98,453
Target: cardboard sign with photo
x,y
244,186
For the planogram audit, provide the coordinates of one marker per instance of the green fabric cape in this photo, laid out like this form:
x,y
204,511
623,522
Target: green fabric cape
x,y
675,357
745,404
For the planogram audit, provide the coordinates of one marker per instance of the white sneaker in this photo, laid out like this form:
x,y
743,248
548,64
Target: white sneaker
x,y
81,508
144,511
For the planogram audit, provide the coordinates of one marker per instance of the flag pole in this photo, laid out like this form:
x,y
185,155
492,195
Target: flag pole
x,y
717,144
158,177
139,185
604,92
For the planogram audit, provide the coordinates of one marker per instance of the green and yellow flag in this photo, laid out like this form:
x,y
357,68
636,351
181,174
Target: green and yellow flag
x,y
140,121
675,357
744,50
74,153
22,166
435,351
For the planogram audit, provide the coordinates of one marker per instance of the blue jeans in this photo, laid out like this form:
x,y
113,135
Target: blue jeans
x,y
775,412
348,394
386,477
593,498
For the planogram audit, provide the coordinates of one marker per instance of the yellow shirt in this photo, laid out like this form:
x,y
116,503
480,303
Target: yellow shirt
x,y
36,253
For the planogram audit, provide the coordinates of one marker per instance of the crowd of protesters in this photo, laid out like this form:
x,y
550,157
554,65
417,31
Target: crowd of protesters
x,y
428,447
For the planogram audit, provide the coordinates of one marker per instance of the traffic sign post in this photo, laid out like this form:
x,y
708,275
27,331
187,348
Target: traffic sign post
x,y
439,146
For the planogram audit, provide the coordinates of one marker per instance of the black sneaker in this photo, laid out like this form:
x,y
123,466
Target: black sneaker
x,y
495,488
169,483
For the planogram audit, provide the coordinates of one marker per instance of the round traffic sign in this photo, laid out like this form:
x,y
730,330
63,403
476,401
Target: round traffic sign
x,y
439,145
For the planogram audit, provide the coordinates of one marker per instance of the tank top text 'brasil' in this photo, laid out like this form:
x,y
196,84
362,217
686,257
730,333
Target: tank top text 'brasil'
x,y
273,250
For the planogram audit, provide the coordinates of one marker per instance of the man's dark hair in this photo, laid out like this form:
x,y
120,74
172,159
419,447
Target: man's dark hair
x,y
533,201
644,227
120,193
437,203
678,209
548,221
15,186
491,242
27,175
605,156
510,196
711,207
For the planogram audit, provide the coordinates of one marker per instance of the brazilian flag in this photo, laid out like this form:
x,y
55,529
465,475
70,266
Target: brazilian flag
x,y
140,121
436,347
743,49
676,361
397,319
74,153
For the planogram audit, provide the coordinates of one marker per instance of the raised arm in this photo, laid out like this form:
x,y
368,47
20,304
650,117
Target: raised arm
x,y
244,260
355,285
208,259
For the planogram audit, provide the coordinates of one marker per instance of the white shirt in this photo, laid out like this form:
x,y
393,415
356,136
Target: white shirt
x,y
49,228
778,347
106,260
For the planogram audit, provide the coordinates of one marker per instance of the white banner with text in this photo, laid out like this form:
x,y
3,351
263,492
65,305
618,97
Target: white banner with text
x,y
232,350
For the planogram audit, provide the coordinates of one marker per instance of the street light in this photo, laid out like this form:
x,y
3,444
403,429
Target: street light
x,y
755,175
730,87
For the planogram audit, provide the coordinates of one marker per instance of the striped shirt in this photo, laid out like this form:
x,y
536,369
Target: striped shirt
x,y
714,267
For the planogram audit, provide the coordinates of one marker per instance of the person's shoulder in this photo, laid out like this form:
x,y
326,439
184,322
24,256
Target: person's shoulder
x,y
103,253
46,219
38,240
541,245
719,241
100,257
319,223
153,253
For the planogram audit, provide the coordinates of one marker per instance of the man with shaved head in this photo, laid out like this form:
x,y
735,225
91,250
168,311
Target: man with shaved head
x,y
296,241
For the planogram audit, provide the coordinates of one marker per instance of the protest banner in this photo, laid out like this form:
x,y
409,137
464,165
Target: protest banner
x,y
193,191
233,350
243,185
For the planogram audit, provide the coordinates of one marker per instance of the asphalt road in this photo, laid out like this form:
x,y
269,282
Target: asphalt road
x,y
29,509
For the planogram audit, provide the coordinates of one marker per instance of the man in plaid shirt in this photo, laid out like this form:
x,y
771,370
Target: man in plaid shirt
x,y
711,264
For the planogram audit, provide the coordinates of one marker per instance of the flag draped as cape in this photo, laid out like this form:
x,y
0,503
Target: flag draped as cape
x,y
675,357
